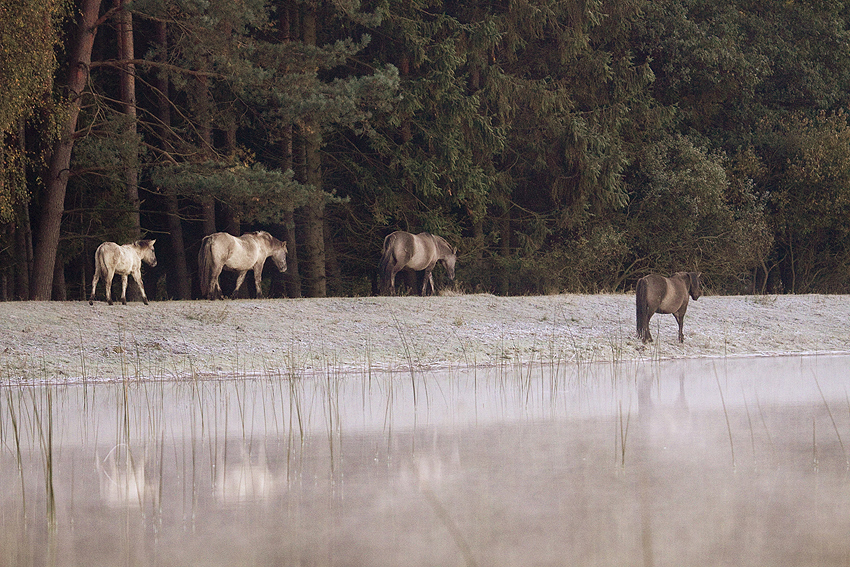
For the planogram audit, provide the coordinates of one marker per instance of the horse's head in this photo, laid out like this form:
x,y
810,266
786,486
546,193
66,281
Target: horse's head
x,y
694,288
449,262
279,256
146,252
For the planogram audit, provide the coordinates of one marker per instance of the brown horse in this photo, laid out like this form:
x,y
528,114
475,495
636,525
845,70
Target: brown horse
x,y
657,294
223,251
417,252
124,260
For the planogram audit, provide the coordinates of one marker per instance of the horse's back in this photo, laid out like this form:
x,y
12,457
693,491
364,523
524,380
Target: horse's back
x,y
399,247
398,240
110,255
665,295
106,250
414,251
237,252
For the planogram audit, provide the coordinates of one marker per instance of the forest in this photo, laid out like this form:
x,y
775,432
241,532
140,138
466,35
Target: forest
x,y
560,145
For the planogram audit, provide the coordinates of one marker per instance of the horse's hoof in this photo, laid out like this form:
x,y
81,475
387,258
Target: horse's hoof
x,y
91,302
146,301
109,302
123,302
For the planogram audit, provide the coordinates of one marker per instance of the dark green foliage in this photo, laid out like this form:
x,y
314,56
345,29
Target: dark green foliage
x,y
561,145
686,218
29,33
256,194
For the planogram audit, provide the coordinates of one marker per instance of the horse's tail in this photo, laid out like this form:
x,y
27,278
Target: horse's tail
x,y
99,267
641,309
205,265
385,267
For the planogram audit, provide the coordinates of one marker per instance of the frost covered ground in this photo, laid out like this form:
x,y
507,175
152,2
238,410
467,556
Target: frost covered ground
x,y
70,341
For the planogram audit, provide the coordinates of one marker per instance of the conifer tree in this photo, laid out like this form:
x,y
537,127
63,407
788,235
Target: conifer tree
x,y
53,201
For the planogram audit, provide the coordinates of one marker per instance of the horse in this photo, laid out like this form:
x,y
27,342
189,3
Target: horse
x,y
223,251
657,294
418,252
111,259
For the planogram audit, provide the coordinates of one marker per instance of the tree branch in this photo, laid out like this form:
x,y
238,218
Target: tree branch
x,y
118,64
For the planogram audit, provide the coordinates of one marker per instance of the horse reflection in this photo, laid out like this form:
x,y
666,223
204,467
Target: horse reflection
x,y
246,481
124,481
431,465
663,420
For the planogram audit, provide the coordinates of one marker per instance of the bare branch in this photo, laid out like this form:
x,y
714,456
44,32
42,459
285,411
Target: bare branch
x,y
117,64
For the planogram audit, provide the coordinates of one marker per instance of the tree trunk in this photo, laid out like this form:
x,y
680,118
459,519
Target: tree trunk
x,y
314,210
126,52
60,160
59,292
23,252
205,132
334,275
232,223
504,250
292,278
182,286
314,244
23,234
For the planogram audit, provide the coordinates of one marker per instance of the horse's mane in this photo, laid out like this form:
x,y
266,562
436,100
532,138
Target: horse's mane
x,y
443,243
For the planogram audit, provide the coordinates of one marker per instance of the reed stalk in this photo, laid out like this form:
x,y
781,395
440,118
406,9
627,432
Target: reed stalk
x,y
726,415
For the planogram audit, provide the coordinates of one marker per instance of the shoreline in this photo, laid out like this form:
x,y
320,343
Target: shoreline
x,y
72,342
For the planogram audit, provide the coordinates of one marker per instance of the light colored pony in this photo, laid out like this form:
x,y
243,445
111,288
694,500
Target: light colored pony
x,y
223,251
657,294
417,252
124,260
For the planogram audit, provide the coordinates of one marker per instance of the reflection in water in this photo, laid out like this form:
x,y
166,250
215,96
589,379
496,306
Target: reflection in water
x,y
123,479
734,461
241,480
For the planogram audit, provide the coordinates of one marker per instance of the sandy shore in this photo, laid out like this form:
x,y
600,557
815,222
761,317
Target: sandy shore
x,y
71,341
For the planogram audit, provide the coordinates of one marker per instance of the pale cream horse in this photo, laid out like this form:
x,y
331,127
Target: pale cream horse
x,y
223,251
124,260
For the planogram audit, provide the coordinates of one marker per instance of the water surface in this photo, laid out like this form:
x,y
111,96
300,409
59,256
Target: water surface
x,y
690,462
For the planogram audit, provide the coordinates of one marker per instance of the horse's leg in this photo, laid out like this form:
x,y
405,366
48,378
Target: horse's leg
x,y
239,279
123,289
647,336
137,276
94,281
426,279
647,326
215,288
258,279
393,273
110,273
680,319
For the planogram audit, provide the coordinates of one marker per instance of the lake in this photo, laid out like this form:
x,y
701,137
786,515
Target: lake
x,y
738,461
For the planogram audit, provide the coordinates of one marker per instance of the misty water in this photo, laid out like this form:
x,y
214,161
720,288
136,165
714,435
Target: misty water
x,y
688,462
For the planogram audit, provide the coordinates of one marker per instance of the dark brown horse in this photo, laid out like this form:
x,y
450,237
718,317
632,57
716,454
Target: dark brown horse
x,y
417,252
223,251
657,294
124,260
